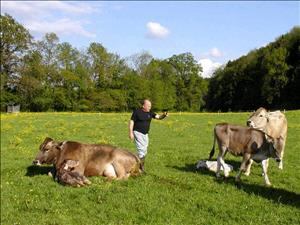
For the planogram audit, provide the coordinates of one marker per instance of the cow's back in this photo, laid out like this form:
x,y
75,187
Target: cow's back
x,y
237,138
277,125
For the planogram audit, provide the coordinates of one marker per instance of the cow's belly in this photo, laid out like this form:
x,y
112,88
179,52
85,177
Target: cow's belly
x,y
94,169
100,169
258,157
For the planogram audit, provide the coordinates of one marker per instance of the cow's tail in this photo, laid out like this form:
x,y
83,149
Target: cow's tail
x,y
212,152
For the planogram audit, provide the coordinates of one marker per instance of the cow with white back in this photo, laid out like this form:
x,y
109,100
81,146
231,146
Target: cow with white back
x,y
246,142
273,124
74,161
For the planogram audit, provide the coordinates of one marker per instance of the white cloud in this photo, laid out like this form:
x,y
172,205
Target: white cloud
x,y
215,52
51,16
156,30
63,26
208,67
32,8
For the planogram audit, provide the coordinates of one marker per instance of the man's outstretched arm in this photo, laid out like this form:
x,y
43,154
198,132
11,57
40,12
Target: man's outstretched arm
x,y
160,117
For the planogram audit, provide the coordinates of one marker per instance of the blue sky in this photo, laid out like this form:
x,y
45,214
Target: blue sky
x,y
213,31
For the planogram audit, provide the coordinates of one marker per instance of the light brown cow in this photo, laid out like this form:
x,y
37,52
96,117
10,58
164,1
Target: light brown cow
x,y
273,124
246,142
74,161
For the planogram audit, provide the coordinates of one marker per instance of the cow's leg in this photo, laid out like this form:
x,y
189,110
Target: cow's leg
x,y
282,145
280,166
265,164
220,162
218,167
248,167
120,171
243,166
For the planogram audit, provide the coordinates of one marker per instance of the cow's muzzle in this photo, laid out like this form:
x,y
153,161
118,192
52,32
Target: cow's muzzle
x,y
36,162
249,123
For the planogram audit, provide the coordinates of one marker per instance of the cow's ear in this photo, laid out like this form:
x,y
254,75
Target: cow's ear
x,y
60,145
48,139
45,142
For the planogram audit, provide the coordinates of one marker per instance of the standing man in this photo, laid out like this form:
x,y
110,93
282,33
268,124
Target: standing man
x,y
139,126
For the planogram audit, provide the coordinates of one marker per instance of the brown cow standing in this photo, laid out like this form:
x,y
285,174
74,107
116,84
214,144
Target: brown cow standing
x,y
74,161
246,142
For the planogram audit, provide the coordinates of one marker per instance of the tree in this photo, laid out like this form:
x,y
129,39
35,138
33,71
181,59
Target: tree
x,y
275,79
15,41
162,79
99,59
48,48
139,61
31,86
188,82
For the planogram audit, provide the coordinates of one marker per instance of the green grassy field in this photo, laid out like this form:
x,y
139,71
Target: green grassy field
x,y
172,192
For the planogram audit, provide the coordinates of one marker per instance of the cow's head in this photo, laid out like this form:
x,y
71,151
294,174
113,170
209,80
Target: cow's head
x,y
49,150
258,119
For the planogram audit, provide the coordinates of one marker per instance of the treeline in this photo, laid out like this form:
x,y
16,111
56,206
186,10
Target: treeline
x,y
47,75
269,77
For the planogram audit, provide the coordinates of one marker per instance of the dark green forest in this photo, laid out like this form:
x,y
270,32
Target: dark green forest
x,y
49,75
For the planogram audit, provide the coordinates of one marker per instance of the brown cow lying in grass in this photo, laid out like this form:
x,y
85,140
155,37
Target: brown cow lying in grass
x,y
75,161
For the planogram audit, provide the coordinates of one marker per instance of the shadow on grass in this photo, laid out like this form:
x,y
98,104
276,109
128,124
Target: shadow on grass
x,y
276,195
38,170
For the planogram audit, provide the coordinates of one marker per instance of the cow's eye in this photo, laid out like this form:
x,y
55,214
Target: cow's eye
x,y
260,115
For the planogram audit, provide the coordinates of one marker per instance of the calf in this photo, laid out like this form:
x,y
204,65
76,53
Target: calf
x,y
246,142
212,165
75,161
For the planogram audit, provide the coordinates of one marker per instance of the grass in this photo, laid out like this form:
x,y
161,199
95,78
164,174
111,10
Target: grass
x,y
172,192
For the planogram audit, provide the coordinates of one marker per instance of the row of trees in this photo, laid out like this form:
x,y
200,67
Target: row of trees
x,y
46,75
269,77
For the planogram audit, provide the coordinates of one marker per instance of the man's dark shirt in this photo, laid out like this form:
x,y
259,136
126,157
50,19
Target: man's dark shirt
x,y
142,120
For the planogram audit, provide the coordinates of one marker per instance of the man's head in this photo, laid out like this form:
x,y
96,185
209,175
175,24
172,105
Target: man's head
x,y
146,105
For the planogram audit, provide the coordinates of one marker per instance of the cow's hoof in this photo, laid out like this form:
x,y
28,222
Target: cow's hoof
x,y
86,181
237,180
247,174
